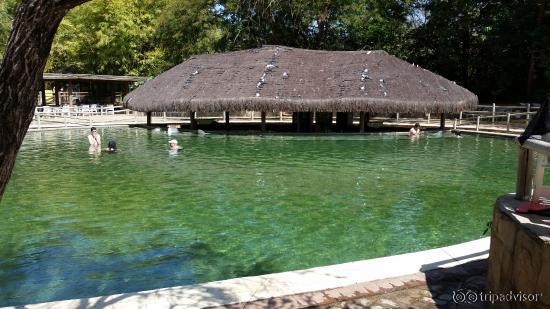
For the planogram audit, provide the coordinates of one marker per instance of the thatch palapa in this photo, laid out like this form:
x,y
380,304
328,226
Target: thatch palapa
x,y
277,78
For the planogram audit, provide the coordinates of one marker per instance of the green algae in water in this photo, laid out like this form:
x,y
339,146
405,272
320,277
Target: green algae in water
x,y
77,225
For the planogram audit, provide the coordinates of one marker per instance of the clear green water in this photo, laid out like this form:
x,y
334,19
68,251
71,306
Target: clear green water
x,y
75,225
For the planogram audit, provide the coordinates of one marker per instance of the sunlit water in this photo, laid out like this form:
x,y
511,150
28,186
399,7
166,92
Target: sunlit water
x,y
77,225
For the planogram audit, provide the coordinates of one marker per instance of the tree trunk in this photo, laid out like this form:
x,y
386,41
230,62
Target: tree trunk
x,y
34,28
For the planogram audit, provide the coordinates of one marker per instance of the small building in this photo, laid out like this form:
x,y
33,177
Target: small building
x,y
68,89
304,82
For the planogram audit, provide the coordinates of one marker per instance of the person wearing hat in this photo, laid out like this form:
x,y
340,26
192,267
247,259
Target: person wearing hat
x,y
173,144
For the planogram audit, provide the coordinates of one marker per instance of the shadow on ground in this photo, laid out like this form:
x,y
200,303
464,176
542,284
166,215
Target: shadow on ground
x,y
449,287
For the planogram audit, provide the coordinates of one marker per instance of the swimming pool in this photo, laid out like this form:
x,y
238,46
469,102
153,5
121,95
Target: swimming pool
x,y
79,225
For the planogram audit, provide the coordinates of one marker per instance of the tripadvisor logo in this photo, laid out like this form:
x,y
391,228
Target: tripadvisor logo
x,y
467,296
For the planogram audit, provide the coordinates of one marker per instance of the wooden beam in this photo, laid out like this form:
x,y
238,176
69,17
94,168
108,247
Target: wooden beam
x,y
263,121
442,121
362,122
149,118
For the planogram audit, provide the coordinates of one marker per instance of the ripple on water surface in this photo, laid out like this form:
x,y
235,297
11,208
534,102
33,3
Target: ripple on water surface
x,y
80,225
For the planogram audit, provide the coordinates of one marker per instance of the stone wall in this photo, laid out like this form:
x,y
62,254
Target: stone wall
x,y
519,258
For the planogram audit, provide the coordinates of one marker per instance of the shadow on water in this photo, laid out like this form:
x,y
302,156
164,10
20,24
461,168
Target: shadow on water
x,y
198,252
205,258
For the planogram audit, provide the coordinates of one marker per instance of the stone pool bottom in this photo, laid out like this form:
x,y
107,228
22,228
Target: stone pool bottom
x,y
308,287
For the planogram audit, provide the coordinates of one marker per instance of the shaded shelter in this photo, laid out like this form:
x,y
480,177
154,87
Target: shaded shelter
x,y
87,88
278,78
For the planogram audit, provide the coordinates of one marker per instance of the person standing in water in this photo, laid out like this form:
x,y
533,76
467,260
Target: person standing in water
x,y
415,131
94,138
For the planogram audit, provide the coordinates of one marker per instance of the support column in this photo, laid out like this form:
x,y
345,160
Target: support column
x,y
323,122
227,120
192,121
295,122
263,121
70,93
344,121
523,181
442,121
43,94
302,121
149,118
56,99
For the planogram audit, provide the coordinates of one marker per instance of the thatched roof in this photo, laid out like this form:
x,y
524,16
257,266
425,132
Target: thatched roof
x,y
91,77
277,78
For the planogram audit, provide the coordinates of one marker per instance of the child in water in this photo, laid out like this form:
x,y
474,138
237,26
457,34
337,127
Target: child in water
x,y
111,146
173,145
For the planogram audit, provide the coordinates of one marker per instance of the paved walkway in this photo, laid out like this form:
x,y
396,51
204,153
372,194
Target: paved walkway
x,y
438,288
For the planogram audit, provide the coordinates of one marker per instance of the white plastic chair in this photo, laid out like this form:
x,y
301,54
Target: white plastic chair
x,y
110,109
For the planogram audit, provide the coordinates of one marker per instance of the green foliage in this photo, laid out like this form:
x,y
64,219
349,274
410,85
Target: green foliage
x,y
7,11
485,45
189,27
109,37
498,49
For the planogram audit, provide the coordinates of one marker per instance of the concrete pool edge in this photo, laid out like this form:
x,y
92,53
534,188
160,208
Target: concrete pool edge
x,y
250,289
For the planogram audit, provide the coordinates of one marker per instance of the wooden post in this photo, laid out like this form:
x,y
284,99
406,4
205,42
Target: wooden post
x,y
280,116
429,117
454,124
323,122
56,99
397,117
477,124
362,122
38,120
508,122
344,120
263,115
226,116
494,111
460,118
43,94
164,116
524,173
70,93
192,121
149,118
442,121
528,111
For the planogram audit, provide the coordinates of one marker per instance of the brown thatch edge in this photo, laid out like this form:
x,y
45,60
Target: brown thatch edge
x,y
376,105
